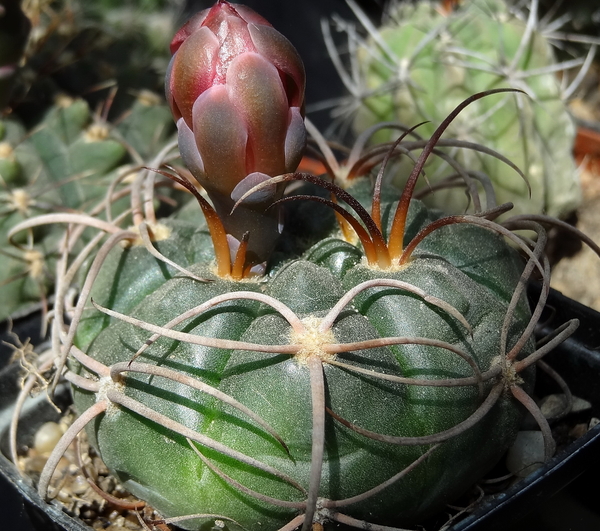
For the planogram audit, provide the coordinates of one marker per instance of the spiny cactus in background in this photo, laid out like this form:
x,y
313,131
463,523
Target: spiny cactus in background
x,y
84,48
364,374
65,164
56,155
421,62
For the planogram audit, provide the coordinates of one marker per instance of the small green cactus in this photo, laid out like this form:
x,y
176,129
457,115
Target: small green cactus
x,y
421,63
56,154
65,164
365,372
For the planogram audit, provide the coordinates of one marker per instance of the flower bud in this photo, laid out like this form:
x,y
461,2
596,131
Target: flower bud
x,y
236,90
238,84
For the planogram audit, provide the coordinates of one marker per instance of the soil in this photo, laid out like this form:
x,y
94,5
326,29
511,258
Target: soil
x,y
91,494
578,276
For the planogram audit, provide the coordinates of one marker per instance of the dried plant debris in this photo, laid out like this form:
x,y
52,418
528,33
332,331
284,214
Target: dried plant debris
x,y
83,485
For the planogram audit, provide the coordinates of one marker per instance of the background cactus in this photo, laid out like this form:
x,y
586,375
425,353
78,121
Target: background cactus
x,y
65,164
85,48
57,154
375,371
421,62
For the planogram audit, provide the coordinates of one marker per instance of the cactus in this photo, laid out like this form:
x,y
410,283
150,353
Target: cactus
x,y
363,372
421,62
56,155
65,164
81,48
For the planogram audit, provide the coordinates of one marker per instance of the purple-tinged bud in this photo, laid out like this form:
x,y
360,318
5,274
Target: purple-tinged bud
x,y
236,89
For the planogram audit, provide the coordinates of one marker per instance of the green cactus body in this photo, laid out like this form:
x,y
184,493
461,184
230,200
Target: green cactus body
x,y
469,267
130,274
10,170
238,381
424,63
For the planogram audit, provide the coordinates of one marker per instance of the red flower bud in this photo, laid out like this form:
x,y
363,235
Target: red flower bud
x,y
236,89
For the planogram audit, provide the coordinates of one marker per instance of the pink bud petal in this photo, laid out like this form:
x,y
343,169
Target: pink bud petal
x,y
234,40
192,25
212,17
255,89
170,100
221,137
192,70
249,15
249,182
274,47
220,14
189,151
295,140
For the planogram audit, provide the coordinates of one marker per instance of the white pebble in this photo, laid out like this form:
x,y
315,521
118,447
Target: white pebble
x,y
554,405
46,437
79,485
526,454
579,404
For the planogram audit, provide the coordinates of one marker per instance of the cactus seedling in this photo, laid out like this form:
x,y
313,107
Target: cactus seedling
x,y
365,384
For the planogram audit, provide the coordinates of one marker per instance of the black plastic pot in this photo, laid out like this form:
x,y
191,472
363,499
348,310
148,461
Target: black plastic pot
x,y
20,507
577,360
